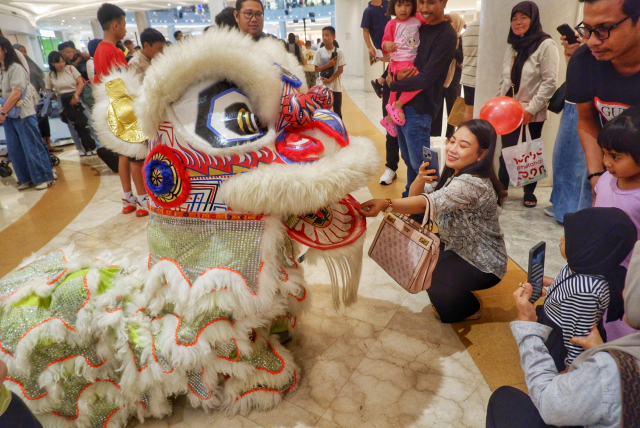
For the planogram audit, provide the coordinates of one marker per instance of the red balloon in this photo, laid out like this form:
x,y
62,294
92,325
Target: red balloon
x,y
504,113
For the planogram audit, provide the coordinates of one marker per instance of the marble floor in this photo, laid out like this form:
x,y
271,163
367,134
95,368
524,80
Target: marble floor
x,y
383,362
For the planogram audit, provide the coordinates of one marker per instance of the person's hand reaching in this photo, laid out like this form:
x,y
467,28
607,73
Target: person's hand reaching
x,y
569,49
526,310
406,72
591,341
373,207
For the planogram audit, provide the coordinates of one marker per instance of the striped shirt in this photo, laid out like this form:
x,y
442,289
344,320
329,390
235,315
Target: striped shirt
x,y
576,303
470,49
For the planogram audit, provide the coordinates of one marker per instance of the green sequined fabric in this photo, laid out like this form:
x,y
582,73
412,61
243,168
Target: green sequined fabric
x,y
197,245
51,267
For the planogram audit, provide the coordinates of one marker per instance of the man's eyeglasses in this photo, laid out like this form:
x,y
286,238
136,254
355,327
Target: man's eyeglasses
x,y
602,33
250,15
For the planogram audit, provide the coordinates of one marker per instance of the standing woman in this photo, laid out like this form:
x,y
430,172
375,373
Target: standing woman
x,y
473,255
529,74
452,87
68,84
27,150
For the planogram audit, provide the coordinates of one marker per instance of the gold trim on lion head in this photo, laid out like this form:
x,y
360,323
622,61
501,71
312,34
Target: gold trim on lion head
x,y
121,117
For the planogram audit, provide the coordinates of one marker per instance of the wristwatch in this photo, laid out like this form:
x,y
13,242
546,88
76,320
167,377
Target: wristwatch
x,y
389,207
3,113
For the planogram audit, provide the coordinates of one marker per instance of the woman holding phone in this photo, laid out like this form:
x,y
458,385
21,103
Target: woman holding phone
x,y
465,201
529,74
67,82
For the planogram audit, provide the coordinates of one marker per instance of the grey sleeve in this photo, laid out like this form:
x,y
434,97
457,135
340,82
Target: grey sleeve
x,y
573,398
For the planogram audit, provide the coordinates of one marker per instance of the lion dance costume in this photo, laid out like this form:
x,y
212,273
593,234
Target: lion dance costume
x,y
237,157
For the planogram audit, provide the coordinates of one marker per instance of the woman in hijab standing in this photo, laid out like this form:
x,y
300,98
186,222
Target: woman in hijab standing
x,y
529,74
452,87
597,391
596,241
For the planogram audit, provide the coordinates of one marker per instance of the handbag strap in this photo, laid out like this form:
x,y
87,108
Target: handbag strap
x,y
629,386
527,134
428,219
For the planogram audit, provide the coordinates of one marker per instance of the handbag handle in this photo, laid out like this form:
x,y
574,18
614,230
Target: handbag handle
x,y
527,134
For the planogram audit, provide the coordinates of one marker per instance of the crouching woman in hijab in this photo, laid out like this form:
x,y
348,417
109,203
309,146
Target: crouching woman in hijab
x,y
599,390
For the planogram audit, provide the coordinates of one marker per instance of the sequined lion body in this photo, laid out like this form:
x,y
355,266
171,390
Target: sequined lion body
x,y
241,167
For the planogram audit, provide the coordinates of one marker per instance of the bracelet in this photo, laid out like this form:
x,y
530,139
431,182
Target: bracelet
x,y
3,113
595,174
389,206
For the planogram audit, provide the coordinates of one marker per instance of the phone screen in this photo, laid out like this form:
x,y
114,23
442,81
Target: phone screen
x,y
536,269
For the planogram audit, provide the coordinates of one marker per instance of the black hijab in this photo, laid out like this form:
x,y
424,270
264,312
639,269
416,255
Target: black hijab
x,y
526,44
597,240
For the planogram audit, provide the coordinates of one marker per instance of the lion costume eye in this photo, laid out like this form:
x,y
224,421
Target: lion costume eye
x,y
219,114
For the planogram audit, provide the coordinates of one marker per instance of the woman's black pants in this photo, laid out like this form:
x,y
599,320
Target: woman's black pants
x,y
510,140
452,283
511,408
75,115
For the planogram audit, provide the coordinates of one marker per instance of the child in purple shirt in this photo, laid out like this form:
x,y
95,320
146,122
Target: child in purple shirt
x,y
619,186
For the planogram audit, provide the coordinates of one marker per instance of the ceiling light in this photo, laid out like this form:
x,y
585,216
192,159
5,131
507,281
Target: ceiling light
x,y
74,17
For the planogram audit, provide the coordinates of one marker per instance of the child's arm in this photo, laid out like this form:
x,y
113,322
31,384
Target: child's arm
x,y
388,45
574,325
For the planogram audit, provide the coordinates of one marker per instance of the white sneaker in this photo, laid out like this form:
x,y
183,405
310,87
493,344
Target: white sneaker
x,y
45,185
549,211
83,153
24,186
55,174
91,153
388,176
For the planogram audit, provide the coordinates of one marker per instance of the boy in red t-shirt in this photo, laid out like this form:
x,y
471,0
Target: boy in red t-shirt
x,y
106,58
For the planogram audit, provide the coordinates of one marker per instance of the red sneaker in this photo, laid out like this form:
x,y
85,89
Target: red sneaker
x,y
141,211
128,206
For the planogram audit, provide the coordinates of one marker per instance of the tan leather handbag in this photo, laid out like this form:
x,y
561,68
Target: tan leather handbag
x,y
406,250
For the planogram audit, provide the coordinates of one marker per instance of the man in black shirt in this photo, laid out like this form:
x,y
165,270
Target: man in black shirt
x,y
437,48
603,77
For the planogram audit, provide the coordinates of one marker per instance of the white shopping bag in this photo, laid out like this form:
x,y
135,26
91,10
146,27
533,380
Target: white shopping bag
x,y
525,161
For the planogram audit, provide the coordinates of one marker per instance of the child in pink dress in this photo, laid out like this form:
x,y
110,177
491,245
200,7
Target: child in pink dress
x,y
401,40
619,186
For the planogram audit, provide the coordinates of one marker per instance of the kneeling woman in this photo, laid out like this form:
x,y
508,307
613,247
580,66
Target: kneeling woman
x,y
473,254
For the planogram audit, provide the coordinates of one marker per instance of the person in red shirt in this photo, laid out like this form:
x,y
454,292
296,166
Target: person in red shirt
x,y
108,57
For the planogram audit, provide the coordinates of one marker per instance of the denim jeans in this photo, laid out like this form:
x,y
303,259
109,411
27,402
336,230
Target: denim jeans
x,y
414,135
571,189
27,150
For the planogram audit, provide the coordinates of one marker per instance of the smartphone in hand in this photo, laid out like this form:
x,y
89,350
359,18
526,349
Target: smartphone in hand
x,y
431,156
536,270
567,31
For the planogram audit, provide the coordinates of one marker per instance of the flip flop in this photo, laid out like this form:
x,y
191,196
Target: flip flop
x,y
390,127
397,115
529,200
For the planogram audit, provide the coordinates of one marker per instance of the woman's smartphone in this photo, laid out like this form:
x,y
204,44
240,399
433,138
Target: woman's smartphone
x,y
567,31
431,156
536,270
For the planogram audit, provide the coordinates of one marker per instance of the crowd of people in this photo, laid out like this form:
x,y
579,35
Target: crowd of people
x,y
596,189
578,348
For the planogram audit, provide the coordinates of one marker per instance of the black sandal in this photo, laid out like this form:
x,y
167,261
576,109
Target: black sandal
x,y
377,87
530,200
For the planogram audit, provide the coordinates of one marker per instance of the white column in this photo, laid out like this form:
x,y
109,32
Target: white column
x,y
282,25
494,29
33,50
97,29
171,29
347,18
215,7
142,20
